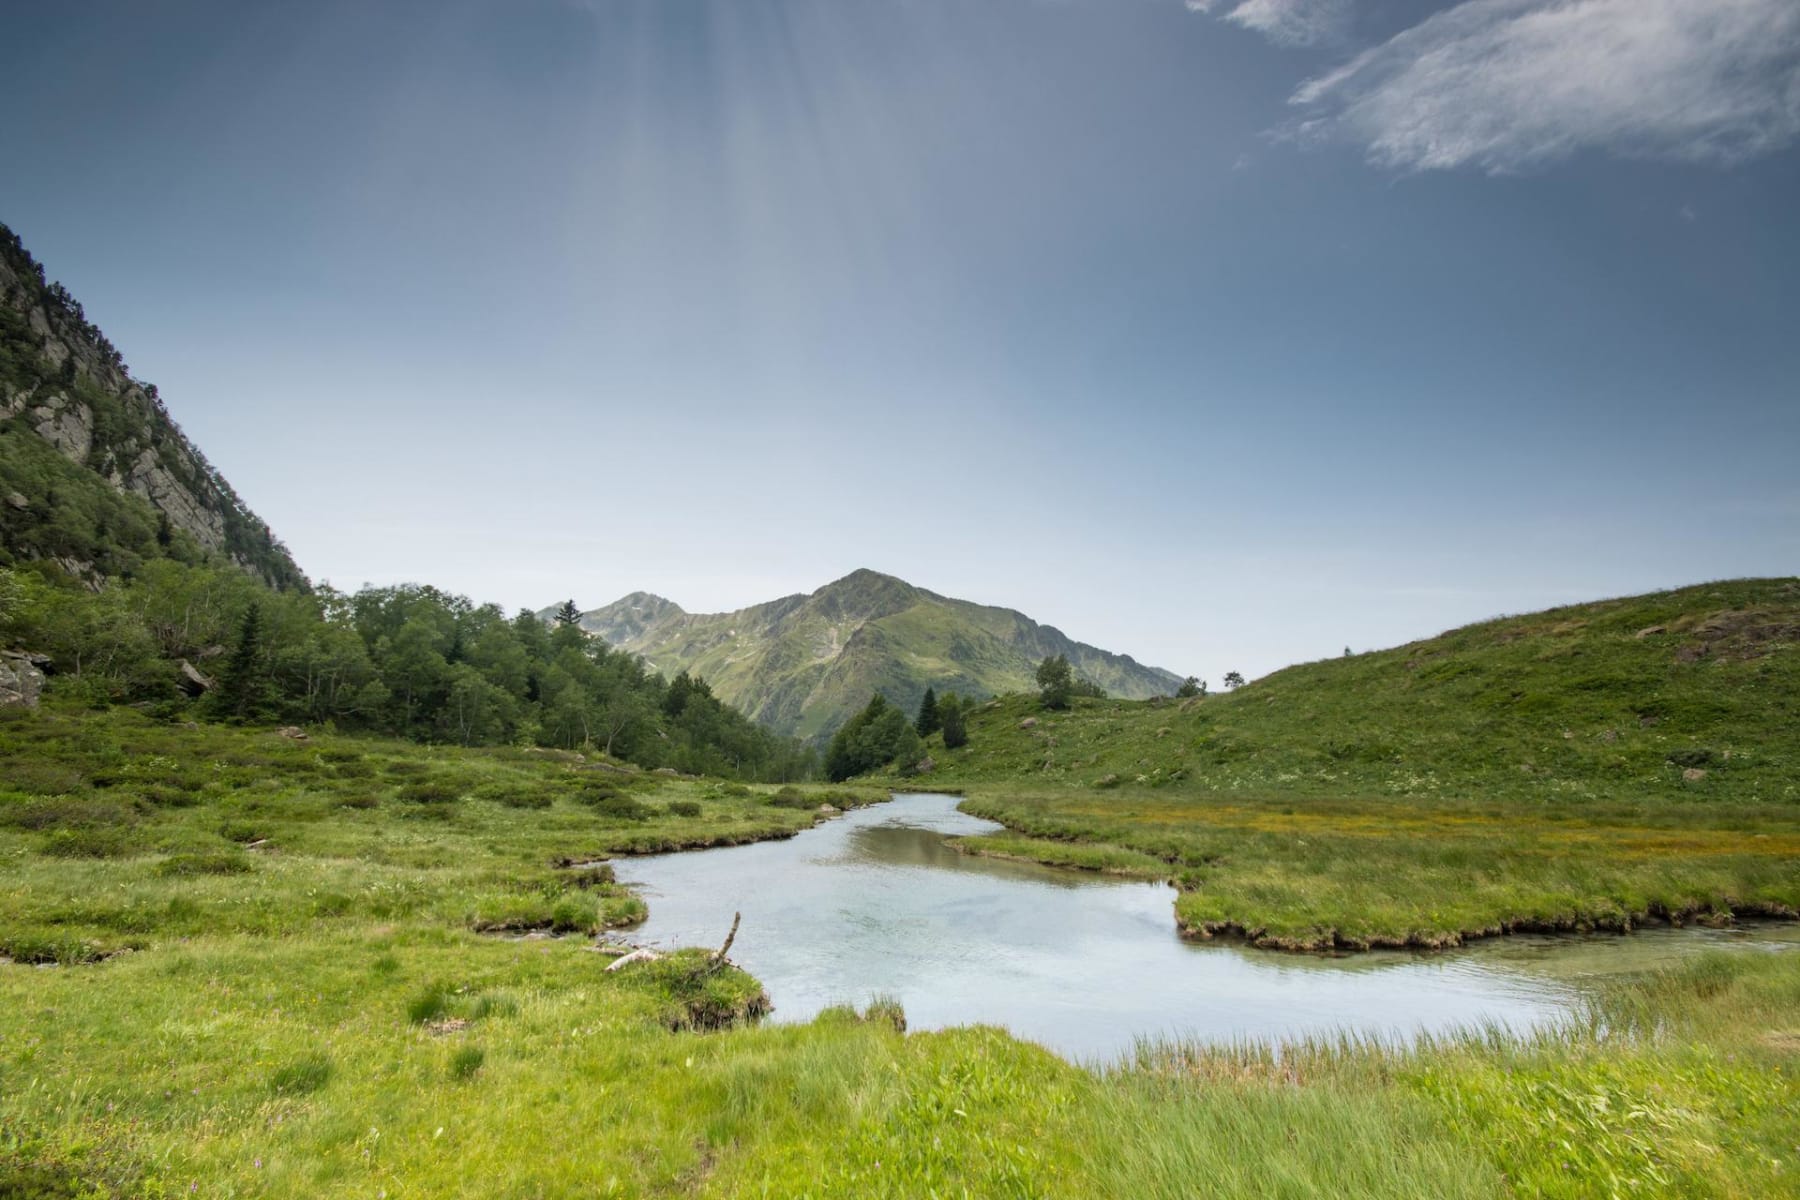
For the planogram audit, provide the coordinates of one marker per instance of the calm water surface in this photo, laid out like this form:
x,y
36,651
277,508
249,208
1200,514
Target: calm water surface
x,y
875,902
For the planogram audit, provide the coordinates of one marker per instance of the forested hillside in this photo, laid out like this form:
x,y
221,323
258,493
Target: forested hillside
x,y
95,476
130,572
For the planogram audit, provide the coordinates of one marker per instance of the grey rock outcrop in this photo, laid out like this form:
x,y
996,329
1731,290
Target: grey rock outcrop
x,y
77,395
21,678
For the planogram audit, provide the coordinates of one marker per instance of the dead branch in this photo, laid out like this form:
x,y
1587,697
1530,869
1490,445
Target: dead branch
x,y
718,960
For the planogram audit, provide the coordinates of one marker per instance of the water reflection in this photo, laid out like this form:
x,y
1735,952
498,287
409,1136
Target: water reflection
x,y
875,902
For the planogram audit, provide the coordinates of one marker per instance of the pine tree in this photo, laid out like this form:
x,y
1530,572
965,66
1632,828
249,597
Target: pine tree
x,y
243,689
929,720
1190,687
568,614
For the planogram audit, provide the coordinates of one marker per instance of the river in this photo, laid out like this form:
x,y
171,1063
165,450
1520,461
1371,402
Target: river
x,y
876,903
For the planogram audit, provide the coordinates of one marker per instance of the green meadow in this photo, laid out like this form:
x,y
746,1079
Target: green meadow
x,y
250,965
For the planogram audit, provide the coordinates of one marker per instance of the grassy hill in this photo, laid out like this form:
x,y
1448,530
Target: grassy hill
x,y
804,664
1588,766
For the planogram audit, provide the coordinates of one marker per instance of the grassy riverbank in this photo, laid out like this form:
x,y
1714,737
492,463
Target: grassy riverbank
x,y
274,980
1589,767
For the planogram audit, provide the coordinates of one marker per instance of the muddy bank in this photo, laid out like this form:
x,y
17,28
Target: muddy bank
x,y
1334,941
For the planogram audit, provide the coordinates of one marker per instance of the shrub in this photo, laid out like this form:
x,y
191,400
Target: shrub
x,y
170,795
359,800
42,779
792,797
684,808
622,808
65,812
430,791
515,795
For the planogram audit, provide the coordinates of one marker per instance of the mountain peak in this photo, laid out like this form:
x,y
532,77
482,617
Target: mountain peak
x,y
804,663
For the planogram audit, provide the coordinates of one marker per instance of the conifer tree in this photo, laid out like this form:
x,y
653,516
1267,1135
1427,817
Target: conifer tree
x,y
568,614
929,721
243,689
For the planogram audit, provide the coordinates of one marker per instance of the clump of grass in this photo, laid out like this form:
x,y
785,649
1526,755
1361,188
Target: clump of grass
x,y
228,861
886,1010
598,875
430,1003
684,808
699,994
243,832
88,843
515,913
882,1010
302,1077
439,1003
466,1061
60,949
359,800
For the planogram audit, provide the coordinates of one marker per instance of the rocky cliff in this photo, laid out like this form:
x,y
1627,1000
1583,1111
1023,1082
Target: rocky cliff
x,y
65,388
804,663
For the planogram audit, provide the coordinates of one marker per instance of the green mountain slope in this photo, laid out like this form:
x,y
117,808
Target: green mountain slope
x,y
1597,766
803,664
1617,697
94,474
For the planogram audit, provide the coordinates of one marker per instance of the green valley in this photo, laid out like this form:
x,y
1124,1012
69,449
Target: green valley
x,y
317,893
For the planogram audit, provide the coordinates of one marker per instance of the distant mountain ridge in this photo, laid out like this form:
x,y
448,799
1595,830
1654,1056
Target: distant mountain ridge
x,y
804,663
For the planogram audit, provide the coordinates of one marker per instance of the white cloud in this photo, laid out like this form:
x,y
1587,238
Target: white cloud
x,y
1287,22
1293,22
1509,85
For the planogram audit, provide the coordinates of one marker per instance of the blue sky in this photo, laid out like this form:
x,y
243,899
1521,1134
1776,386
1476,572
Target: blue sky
x,y
1225,334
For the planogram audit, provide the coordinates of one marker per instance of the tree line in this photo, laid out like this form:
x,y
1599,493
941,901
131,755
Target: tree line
x,y
409,661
